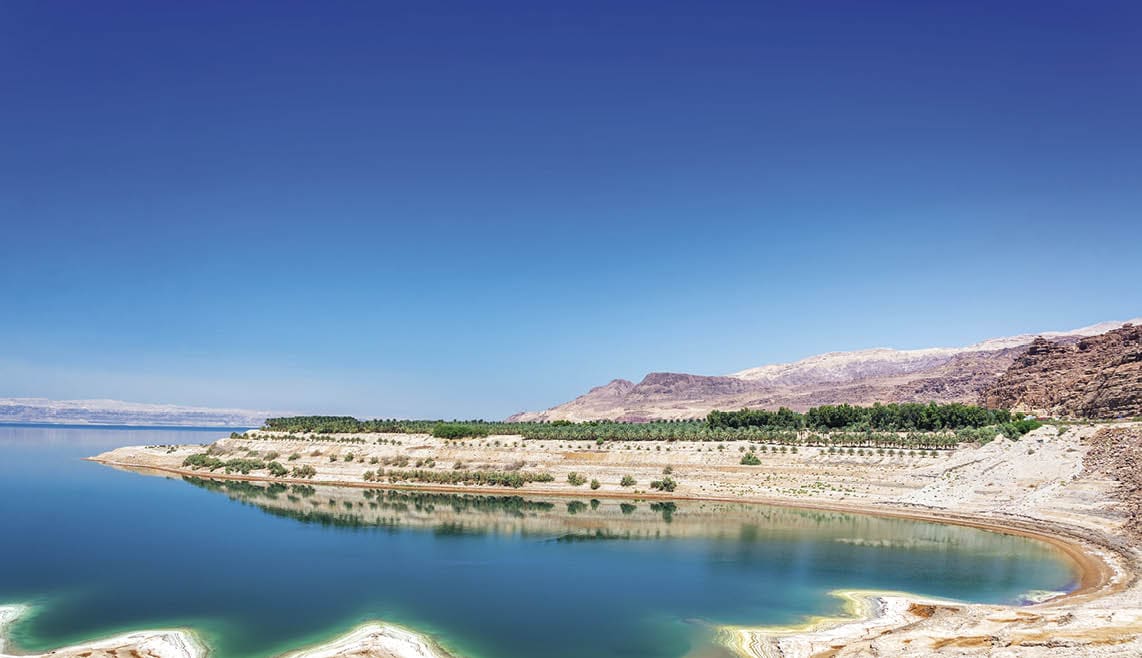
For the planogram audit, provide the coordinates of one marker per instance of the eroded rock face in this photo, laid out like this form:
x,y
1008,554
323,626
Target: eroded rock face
x,y
1117,452
1094,377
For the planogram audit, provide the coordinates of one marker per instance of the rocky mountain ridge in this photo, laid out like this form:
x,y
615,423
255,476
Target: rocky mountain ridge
x,y
957,374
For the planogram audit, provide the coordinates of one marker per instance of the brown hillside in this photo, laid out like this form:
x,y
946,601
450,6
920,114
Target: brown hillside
x,y
1095,377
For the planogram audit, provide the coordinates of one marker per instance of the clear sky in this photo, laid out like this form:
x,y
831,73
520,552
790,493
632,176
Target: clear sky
x,y
469,209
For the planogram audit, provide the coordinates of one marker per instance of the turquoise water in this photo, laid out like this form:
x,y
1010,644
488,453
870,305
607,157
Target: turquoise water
x,y
259,569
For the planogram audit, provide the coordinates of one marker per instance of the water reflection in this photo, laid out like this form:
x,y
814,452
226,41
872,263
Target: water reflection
x,y
743,525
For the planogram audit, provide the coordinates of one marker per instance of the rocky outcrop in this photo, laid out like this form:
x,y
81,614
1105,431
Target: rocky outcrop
x,y
1093,377
1117,453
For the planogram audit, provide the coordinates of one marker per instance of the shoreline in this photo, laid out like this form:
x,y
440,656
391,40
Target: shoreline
x,y
155,643
1038,488
374,638
1093,571
865,611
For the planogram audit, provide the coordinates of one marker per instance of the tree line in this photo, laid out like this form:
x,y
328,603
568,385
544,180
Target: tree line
x,y
894,417
783,426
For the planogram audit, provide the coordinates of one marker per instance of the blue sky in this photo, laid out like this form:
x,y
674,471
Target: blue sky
x,y
470,209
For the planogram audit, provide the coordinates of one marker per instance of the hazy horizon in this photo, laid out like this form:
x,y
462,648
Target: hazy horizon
x,y
369,414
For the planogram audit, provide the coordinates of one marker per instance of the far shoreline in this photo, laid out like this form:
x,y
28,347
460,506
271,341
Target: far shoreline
x,y
106,426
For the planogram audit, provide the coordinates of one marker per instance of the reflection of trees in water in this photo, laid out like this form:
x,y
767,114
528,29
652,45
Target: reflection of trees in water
x,y
744,527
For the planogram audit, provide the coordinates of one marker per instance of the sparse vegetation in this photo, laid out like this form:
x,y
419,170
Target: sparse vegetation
x,y
1018,428
515,479
304,471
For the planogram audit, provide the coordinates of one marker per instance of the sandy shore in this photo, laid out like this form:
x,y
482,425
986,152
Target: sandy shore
x,y
162,643
374,640
1036,487
868,613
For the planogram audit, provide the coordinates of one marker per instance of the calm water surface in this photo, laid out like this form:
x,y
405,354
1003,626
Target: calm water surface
x,y
258,569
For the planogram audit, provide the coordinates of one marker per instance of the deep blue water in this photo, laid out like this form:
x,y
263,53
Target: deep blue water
x,y
259,570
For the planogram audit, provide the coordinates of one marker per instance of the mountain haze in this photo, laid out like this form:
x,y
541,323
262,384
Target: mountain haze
x,y
116,412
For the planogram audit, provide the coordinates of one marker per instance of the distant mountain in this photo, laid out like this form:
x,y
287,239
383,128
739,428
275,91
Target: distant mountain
x,y
115,412
942,374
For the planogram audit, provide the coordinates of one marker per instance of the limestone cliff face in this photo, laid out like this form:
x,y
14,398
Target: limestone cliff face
x,y
1093,377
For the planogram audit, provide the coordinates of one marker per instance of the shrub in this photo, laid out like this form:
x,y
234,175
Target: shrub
x,y
576,480
750,459
458,431
1018,428
243,466
305,471
202,460
294,457
595,484
627,481
276,469
491,478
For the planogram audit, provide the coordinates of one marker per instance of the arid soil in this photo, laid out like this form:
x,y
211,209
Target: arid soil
x,y
1077,489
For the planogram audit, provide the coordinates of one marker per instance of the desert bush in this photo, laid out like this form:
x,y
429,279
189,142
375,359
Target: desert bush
x,y
304,471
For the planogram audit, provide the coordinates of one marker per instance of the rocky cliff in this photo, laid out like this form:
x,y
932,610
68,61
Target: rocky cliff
x,y
1093,377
